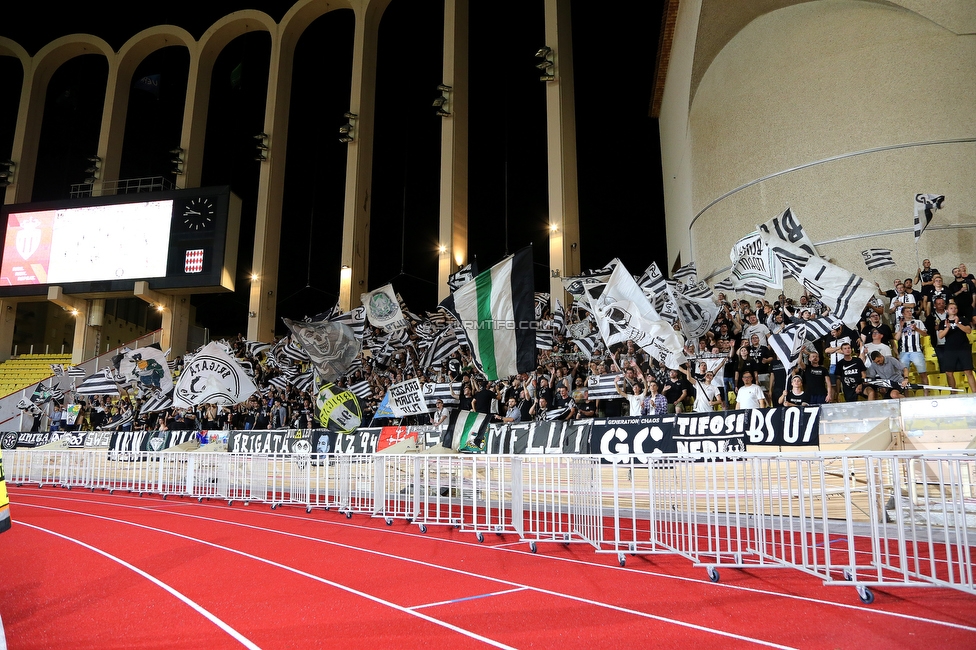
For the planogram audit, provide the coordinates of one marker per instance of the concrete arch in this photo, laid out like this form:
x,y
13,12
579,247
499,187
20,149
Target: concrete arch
x,y
30,113
302,14
202,60
15,50
121,70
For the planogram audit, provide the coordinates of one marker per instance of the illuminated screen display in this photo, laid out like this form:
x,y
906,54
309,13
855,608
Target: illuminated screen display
x,y
86,244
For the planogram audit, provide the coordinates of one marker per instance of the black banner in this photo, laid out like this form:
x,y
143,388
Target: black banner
x,y
274,441
647,436
25,440
698,434
136,441
784,427
557,437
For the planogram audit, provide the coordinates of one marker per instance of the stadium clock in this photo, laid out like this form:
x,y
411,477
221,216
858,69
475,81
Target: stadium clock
x,y
198,213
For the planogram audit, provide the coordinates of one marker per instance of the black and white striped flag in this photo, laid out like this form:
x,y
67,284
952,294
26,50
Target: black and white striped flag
x,y
698,290
557,414
279,381
821,327
100,383
157,402
877,258
602,387
124,420
751,288
256,348
541,301
77,372
442,347
587,344
302,381
434,391
652,281
725,285
57,369
687,274
543,339
788,344
925,207
356,319
559,318
361,389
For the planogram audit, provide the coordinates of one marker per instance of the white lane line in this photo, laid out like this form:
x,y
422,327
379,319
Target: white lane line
x,y
467,598
277,565
579,599
200,609
611,567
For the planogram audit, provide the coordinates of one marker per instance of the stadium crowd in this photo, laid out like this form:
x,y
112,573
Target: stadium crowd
x,y
731,366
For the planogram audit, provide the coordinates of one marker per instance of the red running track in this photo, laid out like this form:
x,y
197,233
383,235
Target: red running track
x,y
93,570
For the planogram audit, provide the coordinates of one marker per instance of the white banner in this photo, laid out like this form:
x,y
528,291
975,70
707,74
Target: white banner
x,y
383,309
407,398
212,377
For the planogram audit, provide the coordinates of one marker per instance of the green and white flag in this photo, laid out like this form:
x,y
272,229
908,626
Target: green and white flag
x,y
464,428
497,312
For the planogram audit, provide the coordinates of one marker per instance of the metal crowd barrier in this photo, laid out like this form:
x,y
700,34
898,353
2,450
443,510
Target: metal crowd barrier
x,y
872,519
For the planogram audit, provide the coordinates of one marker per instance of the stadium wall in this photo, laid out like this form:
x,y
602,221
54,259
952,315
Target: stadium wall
x,y
839,109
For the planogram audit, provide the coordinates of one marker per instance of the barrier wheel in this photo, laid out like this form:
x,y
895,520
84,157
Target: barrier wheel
x,y
274,506
409,520
199,499
69,489
713,574
308,510
389,522
533,547
480,537
349,515
111,491
423,528
164,496
866,595
230,502
621,559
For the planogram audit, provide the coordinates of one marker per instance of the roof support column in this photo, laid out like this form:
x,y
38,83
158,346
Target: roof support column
x,y
453,228
561,137
353,276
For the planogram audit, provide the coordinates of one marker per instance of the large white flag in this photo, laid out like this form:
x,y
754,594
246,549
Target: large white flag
x,y
787,227
621,321
624,313
383,309
212,377
149,367
696,313
753,261
840,290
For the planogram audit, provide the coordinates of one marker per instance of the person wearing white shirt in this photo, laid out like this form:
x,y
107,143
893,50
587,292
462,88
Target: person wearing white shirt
x,y
750,396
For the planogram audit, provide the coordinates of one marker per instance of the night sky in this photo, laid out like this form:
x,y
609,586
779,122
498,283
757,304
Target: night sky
x,y
620,190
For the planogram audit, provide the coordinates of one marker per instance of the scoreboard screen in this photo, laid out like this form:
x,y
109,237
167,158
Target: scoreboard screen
x,y
184,239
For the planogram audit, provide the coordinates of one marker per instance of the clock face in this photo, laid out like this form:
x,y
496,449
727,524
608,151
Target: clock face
x,y
198,214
